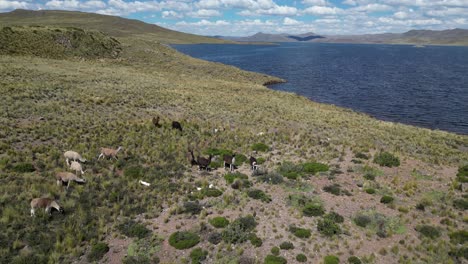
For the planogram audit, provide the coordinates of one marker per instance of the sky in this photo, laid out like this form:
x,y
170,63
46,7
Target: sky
x,y
247,17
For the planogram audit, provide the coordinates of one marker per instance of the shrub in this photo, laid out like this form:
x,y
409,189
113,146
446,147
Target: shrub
x,y
191,207
428,231
331,259
255,240
219,222
362,220
183,239
313,209
239,230
286,245
240,159
273,178
461,204
133,229
370,190
300,232
301,258
98,251
218,152
361,155
290,170
133,172
369,176
328,227
215,238
241,184
211,192
462,175
260,147
387,159
386,199
333,189
292,175
138,260
23,167
275,251
335,217
230,177
354,260
314,167
421,206
270,259
198,255
459,237
258,195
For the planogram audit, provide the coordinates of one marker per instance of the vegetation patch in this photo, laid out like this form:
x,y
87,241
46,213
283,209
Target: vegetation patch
x,y
386,199
300,232
98,251
286,245
183,239
231,177
313,209
328,227
335,189
23,167
239,230
219,222
131,228
428,231
262,147
272,259
354,260
462,174
259,195
301,258
331,259
314,167
192,207
198,255
461,204
387,159
211,192
271,178
459,237
378,223
255,240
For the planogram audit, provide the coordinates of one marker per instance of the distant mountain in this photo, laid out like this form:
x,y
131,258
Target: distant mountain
x,y
420,37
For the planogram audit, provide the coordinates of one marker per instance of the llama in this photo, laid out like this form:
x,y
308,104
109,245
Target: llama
x,y
203,163
67,177
229,160
253,163
176,125
76,166
72,155
156,122
45,203
109,153
193,162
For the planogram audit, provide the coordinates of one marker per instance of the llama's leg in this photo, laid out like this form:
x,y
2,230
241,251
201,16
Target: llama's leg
x,y
32,212
59,182
100,156
68,184
68,162
47,210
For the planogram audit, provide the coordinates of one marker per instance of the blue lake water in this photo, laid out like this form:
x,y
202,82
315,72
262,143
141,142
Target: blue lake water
x,y
427,87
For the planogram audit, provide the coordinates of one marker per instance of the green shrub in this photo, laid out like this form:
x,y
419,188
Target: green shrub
x,y
459,253
255,240
370,190
239,230
362,220
300,232
262,147
313,209
230,177
98,251
219,222
271,259
258,195
328,227
192,207
183,239
240,159
218,152
461,204
211,192
361,155
428,231
462,175
459,237
198,255
131,228
369,176
286,245
133,172
240,184
387,159
23,167
275,251
314,167
301,258
290,170
273,178
335,217
354,260
214,238
331,259
333,189
139,260
386,199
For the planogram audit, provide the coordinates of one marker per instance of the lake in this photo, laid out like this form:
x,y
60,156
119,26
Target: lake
x,y
426,87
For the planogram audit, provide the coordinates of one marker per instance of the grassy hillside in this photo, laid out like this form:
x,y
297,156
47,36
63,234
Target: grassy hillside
x,y
320,191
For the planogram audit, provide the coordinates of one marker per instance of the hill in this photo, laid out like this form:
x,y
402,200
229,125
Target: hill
x,y
331,183
417,37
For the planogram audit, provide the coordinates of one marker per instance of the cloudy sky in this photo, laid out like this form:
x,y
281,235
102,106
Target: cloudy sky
x,y
246,17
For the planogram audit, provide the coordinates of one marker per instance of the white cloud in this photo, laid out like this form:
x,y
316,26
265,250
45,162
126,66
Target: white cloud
x,y
322,10
8,5
456,11
205,13
316,2
290,22
401,15
371,8
170,14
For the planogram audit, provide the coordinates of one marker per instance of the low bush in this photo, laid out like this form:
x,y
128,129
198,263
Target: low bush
x,y
239,230
192,207
328,227
183,239
133,172
361,155
459,237
362,220
272,178
275,251
335,217
370,190
219,222
240,159
333,189
271,259
258,195
240,184
313,209
131,228
331,259
286,245
262,147
369,176
139,260
215,238
255,240
23,167
428,231
301,258
461,204
462,174
300,232
211,192
354,260
198,255
386,199
314,167
387,159
98,251
230,177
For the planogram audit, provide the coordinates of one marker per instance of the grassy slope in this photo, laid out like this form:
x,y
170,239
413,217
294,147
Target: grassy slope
x,y
86,104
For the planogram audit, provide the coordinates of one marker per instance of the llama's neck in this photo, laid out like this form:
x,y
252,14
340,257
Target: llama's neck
x,y
55,205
